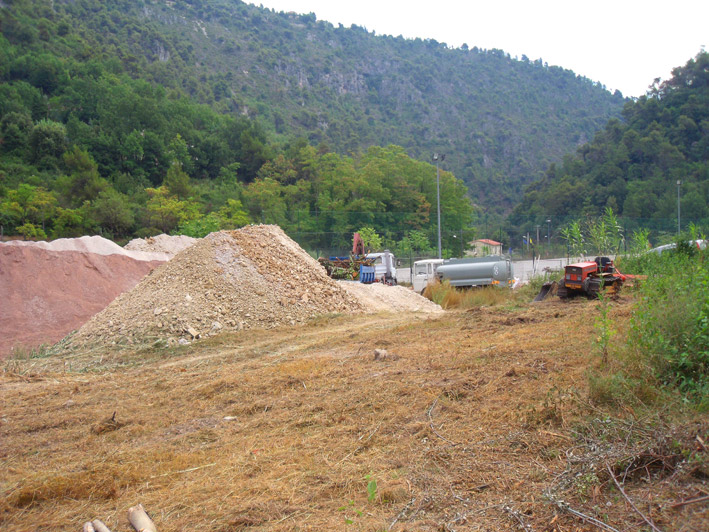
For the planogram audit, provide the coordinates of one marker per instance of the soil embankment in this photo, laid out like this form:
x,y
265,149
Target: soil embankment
x,y
46,294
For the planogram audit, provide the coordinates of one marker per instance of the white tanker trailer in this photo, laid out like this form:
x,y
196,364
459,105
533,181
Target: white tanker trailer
x,y
483,271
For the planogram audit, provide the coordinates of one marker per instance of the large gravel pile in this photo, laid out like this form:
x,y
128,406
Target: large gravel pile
x,y
255,277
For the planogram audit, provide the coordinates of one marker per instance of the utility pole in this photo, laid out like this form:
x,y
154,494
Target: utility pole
x,y
679,230
437,158
537,234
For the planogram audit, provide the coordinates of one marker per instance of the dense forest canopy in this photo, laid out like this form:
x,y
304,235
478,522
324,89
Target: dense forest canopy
x,y
130,118
633,164
501,121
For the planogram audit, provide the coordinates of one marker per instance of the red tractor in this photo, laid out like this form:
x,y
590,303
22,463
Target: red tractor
x,y
585,278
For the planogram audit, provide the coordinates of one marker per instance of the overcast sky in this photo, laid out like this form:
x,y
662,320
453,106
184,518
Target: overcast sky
x,y
624,44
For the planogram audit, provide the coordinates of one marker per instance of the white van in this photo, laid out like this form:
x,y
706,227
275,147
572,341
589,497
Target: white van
x,y
424,272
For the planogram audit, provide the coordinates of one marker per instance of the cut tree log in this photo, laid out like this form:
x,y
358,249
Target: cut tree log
x,y
140,520
99,526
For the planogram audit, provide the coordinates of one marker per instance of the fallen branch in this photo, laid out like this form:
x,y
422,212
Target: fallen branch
x,y
690,501
184,470
401,513
140,520
518,517
615,480
430,423
600,524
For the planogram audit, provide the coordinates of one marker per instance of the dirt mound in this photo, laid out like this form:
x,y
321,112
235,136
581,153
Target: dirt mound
x,y
377,297
92,244
255,277
46,294
171,245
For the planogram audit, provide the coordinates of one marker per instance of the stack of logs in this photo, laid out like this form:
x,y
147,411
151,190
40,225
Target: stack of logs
x,y
137,517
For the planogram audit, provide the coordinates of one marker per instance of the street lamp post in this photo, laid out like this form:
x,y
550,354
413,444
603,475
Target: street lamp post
x,y
548,232
438,157
678,219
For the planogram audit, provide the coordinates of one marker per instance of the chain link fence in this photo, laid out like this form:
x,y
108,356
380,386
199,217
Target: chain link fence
x,y
539,236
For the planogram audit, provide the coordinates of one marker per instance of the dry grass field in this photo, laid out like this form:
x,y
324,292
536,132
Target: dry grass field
x,y
474,420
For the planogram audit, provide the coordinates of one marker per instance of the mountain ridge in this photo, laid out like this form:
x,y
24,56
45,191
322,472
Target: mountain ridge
x,y
501,121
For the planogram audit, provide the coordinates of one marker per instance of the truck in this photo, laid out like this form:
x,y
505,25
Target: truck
x,y
492,270
362,266
424,272
384,266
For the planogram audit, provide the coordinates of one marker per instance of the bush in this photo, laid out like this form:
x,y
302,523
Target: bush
x,y
670,325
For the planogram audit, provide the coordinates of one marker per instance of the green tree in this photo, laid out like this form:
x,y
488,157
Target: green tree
x,y
265,202
47,141
232,215
28,205
166,211
111,210
31,232
178,182
15,130
69,223
84,182
178,153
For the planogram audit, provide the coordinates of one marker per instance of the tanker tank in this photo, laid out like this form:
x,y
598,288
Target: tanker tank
x,y
483,271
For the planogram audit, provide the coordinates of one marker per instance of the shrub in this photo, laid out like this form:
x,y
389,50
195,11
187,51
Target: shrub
x,y
670,325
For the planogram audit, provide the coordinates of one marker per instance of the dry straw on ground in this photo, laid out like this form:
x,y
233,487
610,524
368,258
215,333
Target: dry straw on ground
x,y
466,428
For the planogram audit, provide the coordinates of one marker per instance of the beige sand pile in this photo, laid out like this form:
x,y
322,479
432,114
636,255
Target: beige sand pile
x,y
91,244
255,277
169,244
377,297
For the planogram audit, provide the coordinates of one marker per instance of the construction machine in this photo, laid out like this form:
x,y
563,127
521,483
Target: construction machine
x,y
362,266
585,278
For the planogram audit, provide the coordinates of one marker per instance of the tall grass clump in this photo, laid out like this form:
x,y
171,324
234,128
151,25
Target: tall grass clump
x,y
669,333
450,297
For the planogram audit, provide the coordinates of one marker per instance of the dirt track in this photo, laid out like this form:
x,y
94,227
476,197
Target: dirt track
x,y
466,427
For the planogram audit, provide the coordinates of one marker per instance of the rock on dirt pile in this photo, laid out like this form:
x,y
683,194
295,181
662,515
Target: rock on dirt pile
x,y
256,277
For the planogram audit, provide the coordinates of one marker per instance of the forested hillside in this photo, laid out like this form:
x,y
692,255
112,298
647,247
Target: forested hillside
x,y
633,165
500,121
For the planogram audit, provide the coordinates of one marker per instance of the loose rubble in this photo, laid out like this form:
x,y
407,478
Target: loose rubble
x,y
378,297
256,277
